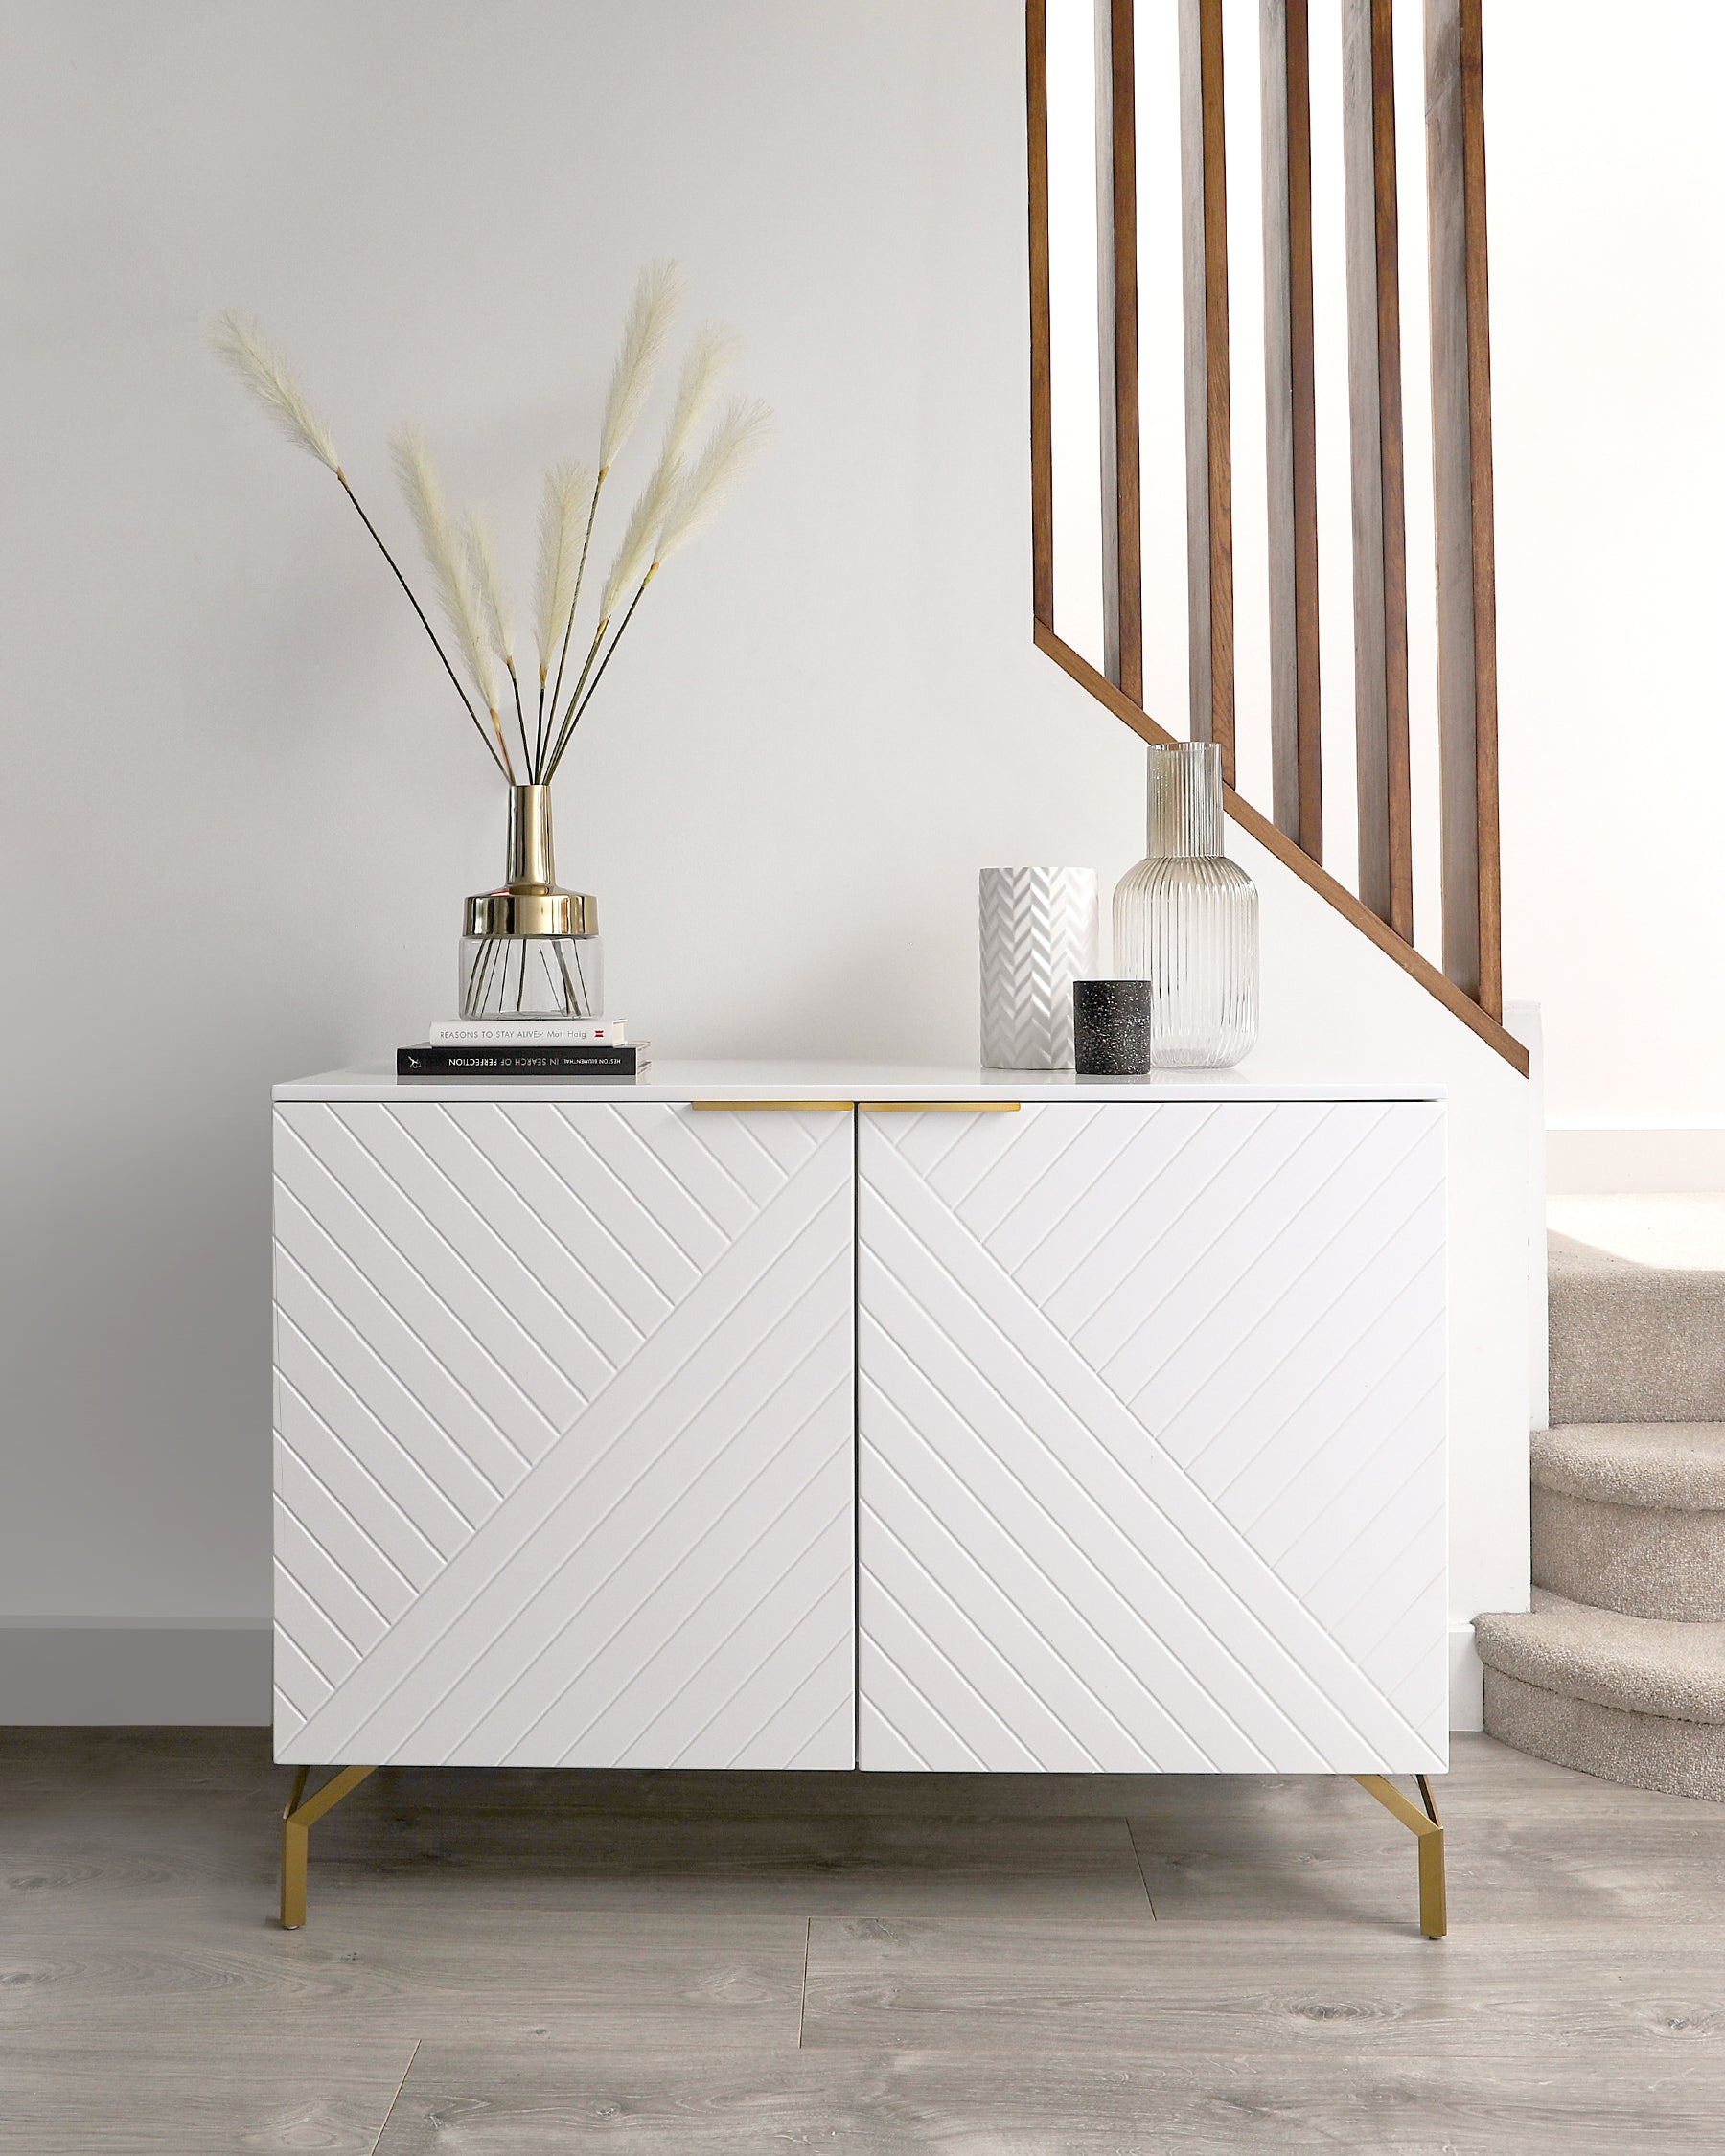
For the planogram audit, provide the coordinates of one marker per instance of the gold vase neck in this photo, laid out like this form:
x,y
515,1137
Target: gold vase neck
x,y
530,903
531,863
1186,799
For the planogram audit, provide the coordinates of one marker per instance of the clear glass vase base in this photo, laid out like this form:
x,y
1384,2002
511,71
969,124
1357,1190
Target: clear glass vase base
x,y
531,977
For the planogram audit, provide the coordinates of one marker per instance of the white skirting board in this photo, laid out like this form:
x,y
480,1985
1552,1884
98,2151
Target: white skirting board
x,y
97,1672
1467,1682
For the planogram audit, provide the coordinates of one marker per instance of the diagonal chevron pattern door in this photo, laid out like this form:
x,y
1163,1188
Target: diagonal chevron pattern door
x,y
1151,1429
565,1464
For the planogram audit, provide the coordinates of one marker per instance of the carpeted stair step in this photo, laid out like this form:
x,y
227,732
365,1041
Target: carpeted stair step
x,y
1630,1515
1638,1338
1632,1699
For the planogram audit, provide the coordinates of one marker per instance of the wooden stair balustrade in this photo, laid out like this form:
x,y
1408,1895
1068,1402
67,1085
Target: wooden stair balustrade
x,y
1469,982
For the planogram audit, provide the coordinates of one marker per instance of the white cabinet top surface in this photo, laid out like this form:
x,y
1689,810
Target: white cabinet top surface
x,y
1258,1078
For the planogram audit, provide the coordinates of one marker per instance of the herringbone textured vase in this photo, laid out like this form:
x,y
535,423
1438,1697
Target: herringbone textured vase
x,y
1039,935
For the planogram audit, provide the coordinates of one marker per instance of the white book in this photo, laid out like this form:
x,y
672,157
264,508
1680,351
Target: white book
x,y
527,1032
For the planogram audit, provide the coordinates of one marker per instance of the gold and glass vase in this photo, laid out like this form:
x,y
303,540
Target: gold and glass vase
x,y
531,950
1185,919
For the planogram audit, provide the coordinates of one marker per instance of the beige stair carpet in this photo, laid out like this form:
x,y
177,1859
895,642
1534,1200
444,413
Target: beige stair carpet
x,y
1632,1699
1618,1668
1641,1750
1637,1297
1631,1516
1633,1343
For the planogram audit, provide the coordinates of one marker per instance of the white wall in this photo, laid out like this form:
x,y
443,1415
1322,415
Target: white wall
x,y
1609,216
242,811
1608,219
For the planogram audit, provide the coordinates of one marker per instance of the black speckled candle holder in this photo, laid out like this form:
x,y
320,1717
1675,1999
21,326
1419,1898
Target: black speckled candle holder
x,y
1111,1029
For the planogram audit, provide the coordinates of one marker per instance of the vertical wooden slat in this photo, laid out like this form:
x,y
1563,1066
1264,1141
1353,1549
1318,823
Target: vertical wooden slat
x,y
1042,389
1290,408
1462,492
1116,297
1209,470
1379,504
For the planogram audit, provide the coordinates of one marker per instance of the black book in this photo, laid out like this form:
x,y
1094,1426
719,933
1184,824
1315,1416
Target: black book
x,y
537,1059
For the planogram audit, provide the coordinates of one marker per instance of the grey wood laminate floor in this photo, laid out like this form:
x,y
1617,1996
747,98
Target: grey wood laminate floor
x,y
509,1964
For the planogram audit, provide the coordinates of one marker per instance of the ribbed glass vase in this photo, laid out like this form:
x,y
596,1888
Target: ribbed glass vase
x,y
1185,920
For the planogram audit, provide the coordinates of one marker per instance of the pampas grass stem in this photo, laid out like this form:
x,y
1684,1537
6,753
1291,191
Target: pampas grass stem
x,y
560,514
673,508
633,556
424,623
645,330
586,541
515,690
578,702
569,717
493,598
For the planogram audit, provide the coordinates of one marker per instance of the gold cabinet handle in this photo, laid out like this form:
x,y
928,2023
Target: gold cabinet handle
x,y
753,1106
938,1106
872,1107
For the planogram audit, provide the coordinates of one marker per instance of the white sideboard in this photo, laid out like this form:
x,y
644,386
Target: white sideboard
x,y
899,1420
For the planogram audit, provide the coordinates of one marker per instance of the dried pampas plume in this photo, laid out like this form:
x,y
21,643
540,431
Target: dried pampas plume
x,y
487,576
679,498
450,566
651,314
703,371
736,441
709,357
634,555
240,343
566,489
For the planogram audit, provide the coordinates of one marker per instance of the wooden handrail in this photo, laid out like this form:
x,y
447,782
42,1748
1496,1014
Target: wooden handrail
x,y
1315,877
1469,984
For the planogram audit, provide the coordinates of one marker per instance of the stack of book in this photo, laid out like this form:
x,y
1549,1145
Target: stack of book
x,y
503,1047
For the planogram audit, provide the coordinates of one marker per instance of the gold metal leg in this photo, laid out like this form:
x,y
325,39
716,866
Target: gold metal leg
x,y
302,1814
1434,1910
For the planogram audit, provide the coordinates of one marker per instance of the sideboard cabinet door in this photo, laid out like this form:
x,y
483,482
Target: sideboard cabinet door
x,y
1151,1438
564,1465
